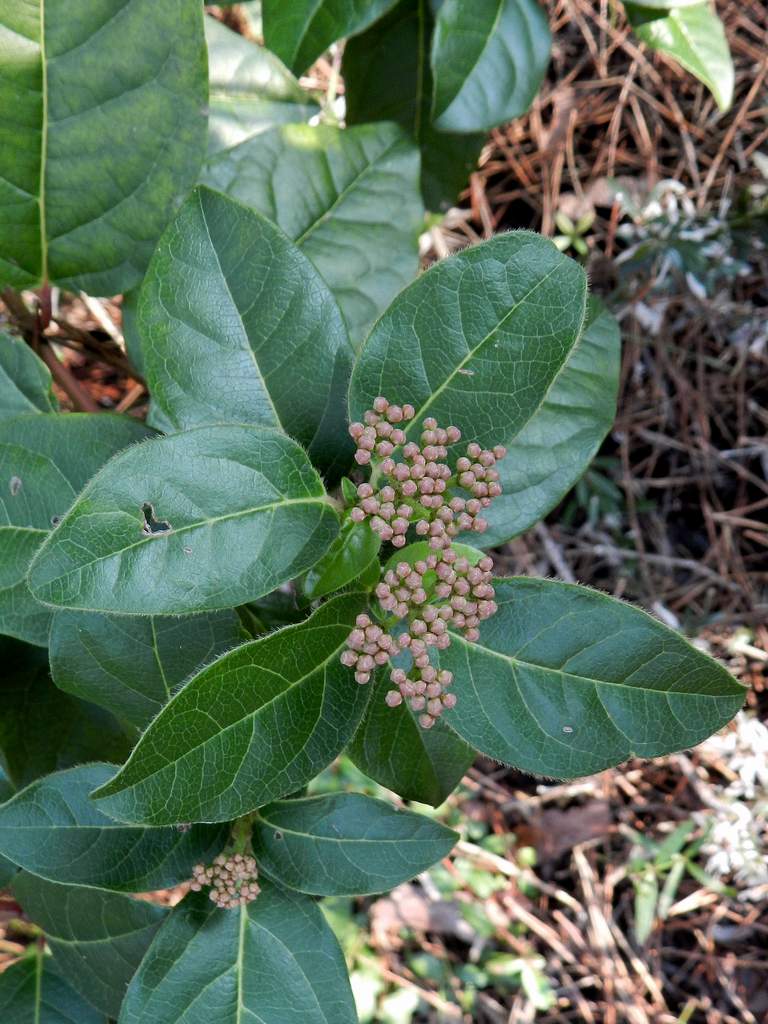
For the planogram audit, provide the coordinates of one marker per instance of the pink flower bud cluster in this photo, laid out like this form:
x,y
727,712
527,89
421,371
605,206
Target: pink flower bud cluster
x,y
232,880
442,591
418,491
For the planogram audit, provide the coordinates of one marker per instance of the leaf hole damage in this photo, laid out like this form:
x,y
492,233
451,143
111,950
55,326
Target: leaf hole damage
x,y
151,525
278,835
567,729
14,485
55,520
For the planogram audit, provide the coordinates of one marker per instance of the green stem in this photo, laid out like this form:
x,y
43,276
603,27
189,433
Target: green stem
x,y
241,833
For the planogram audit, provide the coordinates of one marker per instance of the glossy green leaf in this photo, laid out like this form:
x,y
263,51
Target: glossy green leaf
x,y
695,37
390,746
566,681
32,991
253,727
373,92
488,61
54,830
25,380
556,445
478,340
250,89
275,961
346,844
44,461
237,326
42,729
96,152
299,32
333,191
356,547
133,665
97,938
201,520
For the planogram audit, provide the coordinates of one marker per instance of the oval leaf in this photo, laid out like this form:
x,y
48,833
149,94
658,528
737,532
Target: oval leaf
x,y
356,547
373,93
33,992
488,61
54,830
695,37
25,380
133,665
275,961
250,89
201,520
44,461
102,149
478,340
97,939
301,31
237,326
332,191
559,441
565,681
253,727
345,844
418,764
42,729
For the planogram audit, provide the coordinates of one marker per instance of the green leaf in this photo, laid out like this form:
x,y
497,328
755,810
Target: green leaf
x,y
97,152
695,37
275,961
301,31
417,764
7,868
97,938
333,191
374,93
253,727
566,681
54,830
478,340
133,665
556,445
250,89
43,729
356,547
488,61
25,380
278,609
33,992
238,326
345,844
44,460
201,520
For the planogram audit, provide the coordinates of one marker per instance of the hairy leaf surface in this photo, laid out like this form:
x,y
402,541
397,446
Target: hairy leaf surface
x,y
566,681
556,445
54,830
488,61
345,844
25,380
44,461
275,961
96,152
333,192
478,340
238,326
201,520
97,938
250,89
32,991
301,31
418,764
254,726
133,665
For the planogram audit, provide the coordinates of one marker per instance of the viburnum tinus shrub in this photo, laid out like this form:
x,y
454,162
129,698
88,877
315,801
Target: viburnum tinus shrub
x,y
291,559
